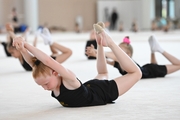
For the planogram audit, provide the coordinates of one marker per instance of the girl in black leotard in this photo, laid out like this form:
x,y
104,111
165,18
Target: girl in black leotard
x,y
9,41
16,54
55,48
4,44
64,84
150,70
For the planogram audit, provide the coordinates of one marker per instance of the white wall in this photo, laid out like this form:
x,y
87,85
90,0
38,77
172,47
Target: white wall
x,y
140,10
177,8
147,13
1,13
6,8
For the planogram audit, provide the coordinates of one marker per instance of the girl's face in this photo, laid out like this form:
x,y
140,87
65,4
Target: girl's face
x,y
49,82
14,52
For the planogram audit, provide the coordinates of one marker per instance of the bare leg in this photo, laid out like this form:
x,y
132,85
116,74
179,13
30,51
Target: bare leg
x,y
152,46
46,35
53,50
55,47
155,47
153,58
175,63
37,33
171,58
101,62
65,52
124,83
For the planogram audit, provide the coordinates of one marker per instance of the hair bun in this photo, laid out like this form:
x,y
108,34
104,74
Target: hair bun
x,y
126,40
37,62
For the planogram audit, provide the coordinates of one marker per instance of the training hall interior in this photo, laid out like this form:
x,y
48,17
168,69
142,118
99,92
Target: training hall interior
x,y
70,23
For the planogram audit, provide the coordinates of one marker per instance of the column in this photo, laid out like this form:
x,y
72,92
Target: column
x,y
148,13
177,9
31,14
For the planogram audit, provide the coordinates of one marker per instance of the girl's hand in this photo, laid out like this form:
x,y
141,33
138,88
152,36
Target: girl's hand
x,y
90,51
18,42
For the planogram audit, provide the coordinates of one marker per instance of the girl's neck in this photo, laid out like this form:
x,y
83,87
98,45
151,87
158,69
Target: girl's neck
x,y
56,91
59,83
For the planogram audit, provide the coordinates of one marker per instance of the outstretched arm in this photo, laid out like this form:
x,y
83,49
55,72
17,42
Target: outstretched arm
x,y
19,43
110,55
47,60
90,51
10,30
26,55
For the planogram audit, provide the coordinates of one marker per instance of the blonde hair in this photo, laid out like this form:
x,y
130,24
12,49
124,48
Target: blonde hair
x,y
127,46
39,69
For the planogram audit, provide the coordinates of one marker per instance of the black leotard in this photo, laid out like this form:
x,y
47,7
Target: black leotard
x,y
92,92
26,66
148,70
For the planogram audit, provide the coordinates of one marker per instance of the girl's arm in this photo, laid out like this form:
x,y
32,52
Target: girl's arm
x,y
47,60
91,51
10,30
26,55
111,56
110,62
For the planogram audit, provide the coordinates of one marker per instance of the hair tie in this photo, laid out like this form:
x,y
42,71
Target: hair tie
x,y
126,40
37,62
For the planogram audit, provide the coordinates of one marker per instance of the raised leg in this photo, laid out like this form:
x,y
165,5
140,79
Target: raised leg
x,y
153,58
125,82
65,52
155,47
101,61
175,66
55,47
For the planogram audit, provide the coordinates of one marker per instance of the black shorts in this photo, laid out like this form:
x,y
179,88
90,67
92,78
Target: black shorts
x,y
153,71
102,91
